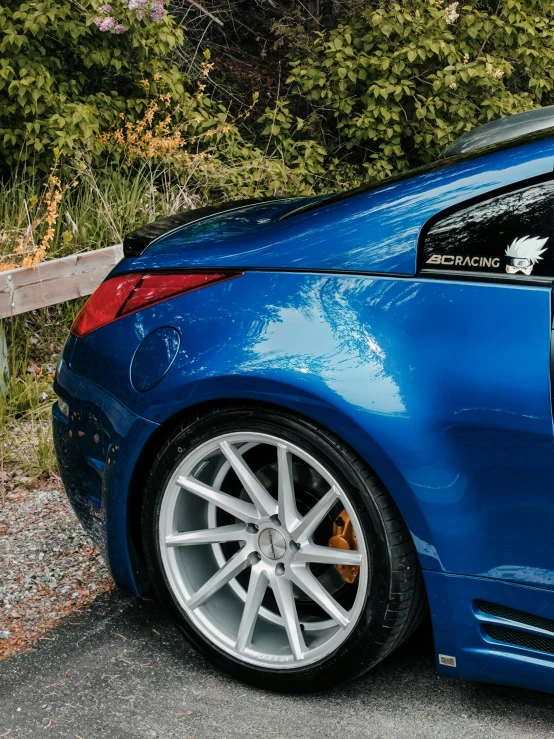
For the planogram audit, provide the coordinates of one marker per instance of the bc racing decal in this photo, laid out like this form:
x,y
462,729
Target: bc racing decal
x,y
521,256
449,260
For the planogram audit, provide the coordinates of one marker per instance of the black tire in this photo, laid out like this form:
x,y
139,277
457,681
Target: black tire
x,y
395,601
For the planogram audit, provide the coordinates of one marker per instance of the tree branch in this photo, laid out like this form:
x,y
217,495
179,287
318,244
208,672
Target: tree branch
x,y
205,11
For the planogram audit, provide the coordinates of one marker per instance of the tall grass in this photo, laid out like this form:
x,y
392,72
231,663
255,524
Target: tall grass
x,y
97,207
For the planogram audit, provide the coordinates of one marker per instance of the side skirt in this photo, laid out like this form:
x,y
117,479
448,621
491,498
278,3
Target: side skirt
x,y
492,631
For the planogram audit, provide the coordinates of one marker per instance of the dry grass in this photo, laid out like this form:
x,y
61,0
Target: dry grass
x,y
50,569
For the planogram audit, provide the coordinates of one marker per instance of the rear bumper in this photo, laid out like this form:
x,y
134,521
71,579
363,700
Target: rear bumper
x,y
98,446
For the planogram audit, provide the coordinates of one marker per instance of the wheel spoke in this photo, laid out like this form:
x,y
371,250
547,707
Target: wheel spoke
x,y
288,514
303,577
282,589
307,526
231,568
328,555
218,535
236,507
264,502
256,591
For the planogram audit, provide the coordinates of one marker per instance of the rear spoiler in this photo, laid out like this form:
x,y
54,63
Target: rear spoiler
x,y
136,242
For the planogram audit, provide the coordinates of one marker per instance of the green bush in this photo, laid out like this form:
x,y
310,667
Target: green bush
x,y
385,90
393,84
63,80
99,82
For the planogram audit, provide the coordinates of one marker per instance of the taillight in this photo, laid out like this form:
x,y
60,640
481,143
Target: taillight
x,y
119,296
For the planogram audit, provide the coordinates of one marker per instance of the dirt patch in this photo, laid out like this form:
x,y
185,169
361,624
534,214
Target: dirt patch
x,y
50,569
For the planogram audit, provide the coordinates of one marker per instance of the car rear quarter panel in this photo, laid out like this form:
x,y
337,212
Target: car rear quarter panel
x,y
442,386
374,231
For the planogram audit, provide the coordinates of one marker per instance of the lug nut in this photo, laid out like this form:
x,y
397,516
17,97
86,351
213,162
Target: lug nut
x,y
252,528
280,569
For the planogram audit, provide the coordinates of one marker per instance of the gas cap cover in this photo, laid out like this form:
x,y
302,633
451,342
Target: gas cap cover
x,y
154,357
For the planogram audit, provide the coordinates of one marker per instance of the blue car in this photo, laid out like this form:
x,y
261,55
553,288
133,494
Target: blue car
x,y
304,423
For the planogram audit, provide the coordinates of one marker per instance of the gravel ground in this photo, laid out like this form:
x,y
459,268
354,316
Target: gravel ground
x,y
121,671
49,568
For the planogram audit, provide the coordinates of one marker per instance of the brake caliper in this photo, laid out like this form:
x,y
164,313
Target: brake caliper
x,y
344,537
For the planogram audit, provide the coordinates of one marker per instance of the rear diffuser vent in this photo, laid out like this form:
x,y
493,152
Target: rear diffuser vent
x,y
520,638
513,614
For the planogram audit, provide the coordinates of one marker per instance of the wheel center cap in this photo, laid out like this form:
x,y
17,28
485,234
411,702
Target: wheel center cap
x,y
272,543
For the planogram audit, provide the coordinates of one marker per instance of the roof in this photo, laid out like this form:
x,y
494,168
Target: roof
x,y
515,130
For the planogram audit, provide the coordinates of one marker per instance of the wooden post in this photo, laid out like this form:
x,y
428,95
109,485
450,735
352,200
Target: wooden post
x,y
4,367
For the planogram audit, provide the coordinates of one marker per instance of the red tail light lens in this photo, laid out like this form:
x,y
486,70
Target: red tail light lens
x,y
119,296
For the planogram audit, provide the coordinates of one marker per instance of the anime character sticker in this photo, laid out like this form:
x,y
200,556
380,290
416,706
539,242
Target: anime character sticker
x,y
523,254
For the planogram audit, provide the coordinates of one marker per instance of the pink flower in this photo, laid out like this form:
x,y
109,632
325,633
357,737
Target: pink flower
x,y
98,21
158,10
136,4
107,24
105,9
119,29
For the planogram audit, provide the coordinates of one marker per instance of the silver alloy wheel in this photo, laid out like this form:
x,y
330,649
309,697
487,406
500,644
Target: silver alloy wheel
x,y
245,566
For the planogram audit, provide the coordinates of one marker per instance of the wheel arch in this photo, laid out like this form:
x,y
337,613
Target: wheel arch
x,y
314,410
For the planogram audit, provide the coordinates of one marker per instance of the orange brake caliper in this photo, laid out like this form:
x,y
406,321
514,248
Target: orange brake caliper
x,y
344,537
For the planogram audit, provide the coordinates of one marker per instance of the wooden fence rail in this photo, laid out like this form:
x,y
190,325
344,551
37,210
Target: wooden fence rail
x,y
56,281
27,288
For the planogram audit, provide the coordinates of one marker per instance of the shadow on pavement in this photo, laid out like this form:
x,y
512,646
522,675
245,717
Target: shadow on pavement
x,y
121,670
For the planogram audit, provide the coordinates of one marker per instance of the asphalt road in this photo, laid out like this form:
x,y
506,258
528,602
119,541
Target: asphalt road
x,y
121,670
